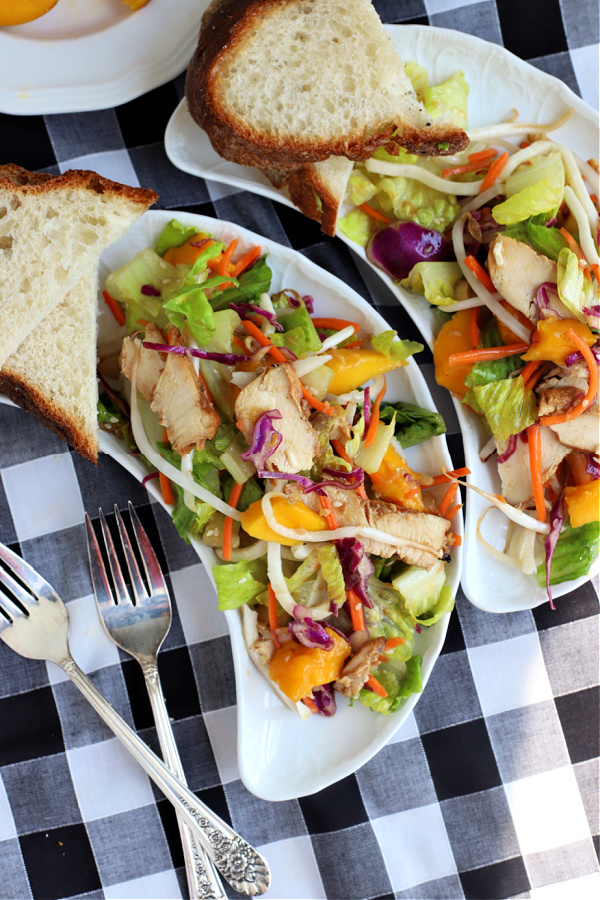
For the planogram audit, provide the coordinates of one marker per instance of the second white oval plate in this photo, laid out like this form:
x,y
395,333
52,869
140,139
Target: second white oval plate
x,y
499,83
280,755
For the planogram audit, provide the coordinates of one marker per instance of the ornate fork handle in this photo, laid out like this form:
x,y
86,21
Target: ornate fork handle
x,y
239,863
201,872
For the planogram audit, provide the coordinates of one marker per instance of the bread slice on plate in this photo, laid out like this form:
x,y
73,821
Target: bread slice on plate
x,y
294,87
52,373
51,229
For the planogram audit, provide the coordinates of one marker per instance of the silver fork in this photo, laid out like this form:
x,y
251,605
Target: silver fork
x,y
139,627
34,622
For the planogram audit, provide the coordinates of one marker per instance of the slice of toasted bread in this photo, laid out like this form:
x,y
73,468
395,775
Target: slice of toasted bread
x,y
51,229
284,83
52,373
317,189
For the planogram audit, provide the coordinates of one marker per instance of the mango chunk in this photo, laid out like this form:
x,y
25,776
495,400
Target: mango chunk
x,y
290,515
353,367
395,480
297,669
583,503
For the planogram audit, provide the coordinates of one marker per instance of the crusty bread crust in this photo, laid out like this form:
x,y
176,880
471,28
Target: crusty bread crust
x,y
25,375
227,25
21,181
50,415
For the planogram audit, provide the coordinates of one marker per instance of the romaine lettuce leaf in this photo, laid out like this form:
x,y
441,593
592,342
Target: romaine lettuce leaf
x,y
332,572
398,684
251,284
435,280
388,343
449,99
299,333
412,201
357,226
418,77
360,188
575,551
532,189
413,423
548,241
506,405
174,234
575,291
239,583
187,522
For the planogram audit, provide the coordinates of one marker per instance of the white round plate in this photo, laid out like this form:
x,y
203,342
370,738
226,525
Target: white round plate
x,y
93,54
499,83
280,755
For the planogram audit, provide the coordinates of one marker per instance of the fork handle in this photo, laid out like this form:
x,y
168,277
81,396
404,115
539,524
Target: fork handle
x,y
239,863
203,880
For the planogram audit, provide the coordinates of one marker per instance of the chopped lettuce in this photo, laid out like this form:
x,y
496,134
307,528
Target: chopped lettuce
x,y
575,291
299,334
548,241
506,405
414,424
357,226
418,77
174,234
239,583
575,551
532,189
448,99
399,682
388,343
435,280
425,592
332,572
495,369
189,522
413,201
250,285
360,188
125,285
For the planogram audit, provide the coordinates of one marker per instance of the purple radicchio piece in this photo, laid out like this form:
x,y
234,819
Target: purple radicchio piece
x,y
148,290
356,566
228,359
324,697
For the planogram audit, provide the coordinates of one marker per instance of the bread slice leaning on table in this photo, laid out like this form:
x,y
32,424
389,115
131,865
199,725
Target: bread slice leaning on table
x,y
297,88
52,372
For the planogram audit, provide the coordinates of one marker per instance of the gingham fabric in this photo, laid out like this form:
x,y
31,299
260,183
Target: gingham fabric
x,y
489,790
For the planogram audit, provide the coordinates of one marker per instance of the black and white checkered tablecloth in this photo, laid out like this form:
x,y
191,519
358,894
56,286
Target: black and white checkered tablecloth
x,y
490,789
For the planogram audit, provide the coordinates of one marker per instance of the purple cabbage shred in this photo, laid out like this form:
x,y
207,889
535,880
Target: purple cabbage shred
x,y
557,518
324,697
357,568
148,290
228,359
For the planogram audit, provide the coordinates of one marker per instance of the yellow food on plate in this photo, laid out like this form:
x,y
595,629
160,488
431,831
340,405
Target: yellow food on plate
x,y
297,669
583,502
290,515
135,4
352,368
17,12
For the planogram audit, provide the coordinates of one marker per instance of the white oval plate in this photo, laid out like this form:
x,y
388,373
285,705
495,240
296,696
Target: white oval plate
x,y
280,755
499,82
93,54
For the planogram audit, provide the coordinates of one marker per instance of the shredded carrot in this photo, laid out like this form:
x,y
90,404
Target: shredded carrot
x,y
321,405
529,369
474,328
596,270
335,324
374,213
308,701
533,379
330,518
245,262
228,524
239,342
220,264
448,498
480,273
486,353
376,686
356,611
393,642
114,308
594,199
374,420
534,444
574,246
165,487
592,390
452,512
448,476
354,345
493,172
490,153
467,167
457,540
272,611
